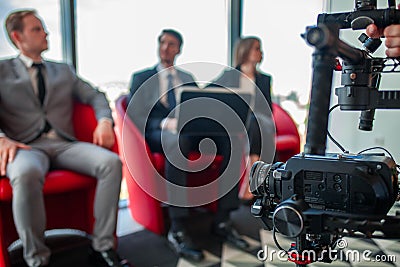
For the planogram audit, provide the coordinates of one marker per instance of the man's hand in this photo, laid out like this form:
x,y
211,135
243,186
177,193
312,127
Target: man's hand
x,y
103,135
392,35
8,150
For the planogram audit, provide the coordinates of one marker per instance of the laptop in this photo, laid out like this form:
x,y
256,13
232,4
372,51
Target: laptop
x,y
213,111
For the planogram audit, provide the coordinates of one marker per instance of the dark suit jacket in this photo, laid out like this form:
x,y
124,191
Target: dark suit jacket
x,y
231,78
262,133
22,118
145,108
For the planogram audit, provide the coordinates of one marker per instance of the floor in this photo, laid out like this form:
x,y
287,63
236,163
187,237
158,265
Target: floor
x,y
145,249
125,224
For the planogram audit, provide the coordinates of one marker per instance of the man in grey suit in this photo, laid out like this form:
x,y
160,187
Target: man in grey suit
x,y
151,108
36,106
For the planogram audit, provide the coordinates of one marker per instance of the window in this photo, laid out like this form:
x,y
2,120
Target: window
x,y
116,38
49,10
287,57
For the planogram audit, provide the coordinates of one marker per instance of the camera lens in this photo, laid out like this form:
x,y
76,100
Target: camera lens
x,y
259,178
261,181
315,36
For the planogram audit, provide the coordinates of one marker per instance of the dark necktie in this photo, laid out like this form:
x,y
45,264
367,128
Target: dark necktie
x,y
41,91
41,87
171,92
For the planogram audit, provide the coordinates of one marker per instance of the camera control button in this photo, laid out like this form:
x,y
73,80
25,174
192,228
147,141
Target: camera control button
x,y
337,178
337,187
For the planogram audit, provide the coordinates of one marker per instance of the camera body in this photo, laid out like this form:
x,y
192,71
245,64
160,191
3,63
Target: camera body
x,y
365,184
326,195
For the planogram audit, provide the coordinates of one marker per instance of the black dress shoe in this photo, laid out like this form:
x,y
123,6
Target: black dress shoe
x,y
227,233
184,247
108,258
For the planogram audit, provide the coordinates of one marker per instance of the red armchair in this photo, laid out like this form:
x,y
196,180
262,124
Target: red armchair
x,y
143,164
66,193
287,137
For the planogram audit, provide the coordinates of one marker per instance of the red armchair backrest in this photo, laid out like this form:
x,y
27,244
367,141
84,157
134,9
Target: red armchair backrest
x,y
85,122
138,164
134,147
287,136
283,122
140,161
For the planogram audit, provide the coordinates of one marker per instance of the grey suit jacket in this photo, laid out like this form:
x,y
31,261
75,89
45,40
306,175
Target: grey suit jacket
x,y
145,108
22,118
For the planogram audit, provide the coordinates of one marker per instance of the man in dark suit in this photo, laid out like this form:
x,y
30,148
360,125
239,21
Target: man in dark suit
x,y
151,108
36,107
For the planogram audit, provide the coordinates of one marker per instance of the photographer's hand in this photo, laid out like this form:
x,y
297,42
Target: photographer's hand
x,y
392,35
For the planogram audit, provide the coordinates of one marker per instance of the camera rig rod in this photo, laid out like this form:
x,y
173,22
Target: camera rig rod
x,y
325,39
359,19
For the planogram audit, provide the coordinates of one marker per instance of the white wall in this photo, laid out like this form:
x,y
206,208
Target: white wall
x,y
343,125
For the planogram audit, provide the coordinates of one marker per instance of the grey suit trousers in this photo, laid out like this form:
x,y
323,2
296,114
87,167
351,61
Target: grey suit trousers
x,y
27,173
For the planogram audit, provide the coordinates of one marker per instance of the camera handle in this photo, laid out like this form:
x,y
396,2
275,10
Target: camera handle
x,y
324,60
328,46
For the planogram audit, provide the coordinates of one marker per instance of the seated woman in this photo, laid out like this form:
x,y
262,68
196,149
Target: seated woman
x,y
261,131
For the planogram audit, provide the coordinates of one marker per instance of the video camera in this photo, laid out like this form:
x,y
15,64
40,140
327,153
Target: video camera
x,y
317,197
